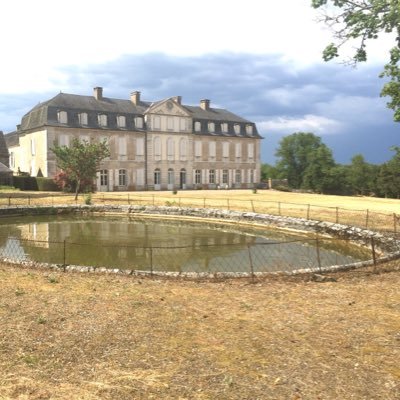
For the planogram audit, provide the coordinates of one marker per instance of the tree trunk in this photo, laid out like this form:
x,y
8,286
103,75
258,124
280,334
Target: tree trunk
x,y
78,186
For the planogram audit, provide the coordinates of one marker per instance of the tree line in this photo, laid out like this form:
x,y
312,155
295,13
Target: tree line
x,y
308,164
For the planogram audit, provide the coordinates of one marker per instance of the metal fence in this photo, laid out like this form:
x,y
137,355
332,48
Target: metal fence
x,y
246,258
365,219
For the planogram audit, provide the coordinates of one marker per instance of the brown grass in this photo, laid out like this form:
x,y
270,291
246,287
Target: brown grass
x,y
82,336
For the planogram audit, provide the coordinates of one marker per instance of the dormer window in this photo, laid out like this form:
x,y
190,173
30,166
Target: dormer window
x,y
139,122
237,129
211,127
83,118
121,121
197,126
249,130
224,127
62,117
102,119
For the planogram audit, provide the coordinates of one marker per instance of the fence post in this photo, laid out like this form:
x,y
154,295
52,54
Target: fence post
x,y
65,254
179,202
337,215
373,252
252,206
318,253
29,200
204,202
151,261
251,264
228,204
153,199
367,219
279,208
129,200
308,211
394,222
9,201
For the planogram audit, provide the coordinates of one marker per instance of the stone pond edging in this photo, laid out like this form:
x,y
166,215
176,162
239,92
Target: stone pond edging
x,y
387,247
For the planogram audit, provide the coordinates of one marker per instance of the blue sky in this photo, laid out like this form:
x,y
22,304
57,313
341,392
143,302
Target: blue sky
x,y
260,59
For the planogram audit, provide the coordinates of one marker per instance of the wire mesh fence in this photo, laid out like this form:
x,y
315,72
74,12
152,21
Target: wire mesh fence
x,y
246,258
366,219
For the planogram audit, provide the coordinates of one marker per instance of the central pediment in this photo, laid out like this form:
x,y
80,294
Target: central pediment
x,y
170,106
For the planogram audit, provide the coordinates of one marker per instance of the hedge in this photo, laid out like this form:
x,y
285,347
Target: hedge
x,y
35,183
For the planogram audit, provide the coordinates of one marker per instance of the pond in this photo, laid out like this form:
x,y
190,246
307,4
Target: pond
x,y
166,245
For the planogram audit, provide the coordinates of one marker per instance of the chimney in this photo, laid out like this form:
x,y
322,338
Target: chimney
x,y
177,99
135,98
205,104
98,93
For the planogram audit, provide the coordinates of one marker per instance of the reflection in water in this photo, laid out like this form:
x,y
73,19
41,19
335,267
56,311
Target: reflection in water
x,y
163,245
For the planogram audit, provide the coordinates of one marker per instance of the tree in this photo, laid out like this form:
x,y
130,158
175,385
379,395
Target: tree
x,y
296,154
360,175
268,171
80,161
361,21
388,182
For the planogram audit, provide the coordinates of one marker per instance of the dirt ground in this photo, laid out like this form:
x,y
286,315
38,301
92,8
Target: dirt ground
x,y
93,336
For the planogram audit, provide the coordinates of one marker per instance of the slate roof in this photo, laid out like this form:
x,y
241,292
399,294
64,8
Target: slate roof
x,y
45,114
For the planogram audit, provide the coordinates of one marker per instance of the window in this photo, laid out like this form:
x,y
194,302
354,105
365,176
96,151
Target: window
x,y
183,149
182,178
225,176
12,159
212,150
238,176
182,123
211,127
251,177
122,181
63,140
83,119
238,150
122,153
157,176
139,122
197,126
224,127
157,122
197,148
102,119
139,148
33,147
225,150
121,121
171,177
249,130
211,176
250,151
157,148
170,148
197,176
62,117
103,177
237,129
170,123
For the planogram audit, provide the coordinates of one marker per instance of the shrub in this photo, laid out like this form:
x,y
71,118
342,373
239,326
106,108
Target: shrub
x,y
46,184
25,182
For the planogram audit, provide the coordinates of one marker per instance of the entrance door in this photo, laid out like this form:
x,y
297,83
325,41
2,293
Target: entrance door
x,y
182,179
103,180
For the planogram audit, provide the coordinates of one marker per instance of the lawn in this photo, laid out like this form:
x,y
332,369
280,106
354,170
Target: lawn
x,y
87,336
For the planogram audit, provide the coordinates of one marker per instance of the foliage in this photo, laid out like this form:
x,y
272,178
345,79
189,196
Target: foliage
x,y
269,171
46,184
361,21
80,161
25,182
388,181
304,160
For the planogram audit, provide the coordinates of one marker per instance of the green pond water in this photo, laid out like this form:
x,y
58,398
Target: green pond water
x,y
165,245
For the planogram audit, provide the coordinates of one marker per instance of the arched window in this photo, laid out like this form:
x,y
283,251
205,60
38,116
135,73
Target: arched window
x,y
122,177
197,176
157,176
171,177
182,178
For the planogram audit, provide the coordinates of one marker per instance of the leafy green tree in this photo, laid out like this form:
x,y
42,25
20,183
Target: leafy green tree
x,y
360,21
360,175
388,182
80,161
297,153
317,175
268,171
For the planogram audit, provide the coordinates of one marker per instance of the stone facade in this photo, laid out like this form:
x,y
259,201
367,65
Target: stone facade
x,y
162,145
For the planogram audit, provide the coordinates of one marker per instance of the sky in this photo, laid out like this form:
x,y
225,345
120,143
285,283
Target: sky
x,y
260,59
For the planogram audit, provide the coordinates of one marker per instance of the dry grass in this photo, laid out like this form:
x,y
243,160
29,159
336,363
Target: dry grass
x,y
82,336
